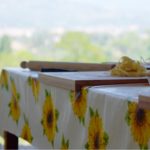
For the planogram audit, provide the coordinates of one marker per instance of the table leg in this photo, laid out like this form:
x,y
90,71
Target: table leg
x,y
11,141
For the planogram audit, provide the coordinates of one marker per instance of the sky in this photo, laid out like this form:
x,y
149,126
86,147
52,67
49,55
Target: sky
x,y
74,13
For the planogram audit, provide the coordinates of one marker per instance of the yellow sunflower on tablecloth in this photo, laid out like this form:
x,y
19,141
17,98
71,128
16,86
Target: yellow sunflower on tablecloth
x,y
64,143
79,104
35,85
139,122
26,132
97,137
4,79
14,103
49,118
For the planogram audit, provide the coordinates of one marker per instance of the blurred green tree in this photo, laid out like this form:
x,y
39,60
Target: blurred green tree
x,y
77,46
5,43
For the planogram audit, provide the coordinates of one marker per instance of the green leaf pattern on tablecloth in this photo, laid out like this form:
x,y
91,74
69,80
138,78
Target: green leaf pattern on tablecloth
x,y
35,86
64,143
14,105
26,131
4,79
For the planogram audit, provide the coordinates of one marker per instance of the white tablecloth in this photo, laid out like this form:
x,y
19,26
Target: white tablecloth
x,y
50,117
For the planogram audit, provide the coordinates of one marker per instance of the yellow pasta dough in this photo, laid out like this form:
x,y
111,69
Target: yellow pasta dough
x,y
128,67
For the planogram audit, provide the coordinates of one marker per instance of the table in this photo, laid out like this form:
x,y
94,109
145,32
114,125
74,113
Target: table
x,y
49,117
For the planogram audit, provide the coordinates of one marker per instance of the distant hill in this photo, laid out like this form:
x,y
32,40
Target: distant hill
x,y
74,13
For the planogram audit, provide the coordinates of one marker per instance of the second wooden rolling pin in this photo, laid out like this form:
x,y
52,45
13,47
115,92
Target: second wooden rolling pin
x,y
72,66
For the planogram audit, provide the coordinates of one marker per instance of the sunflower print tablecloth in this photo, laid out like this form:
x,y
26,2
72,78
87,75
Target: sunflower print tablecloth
x,y
50,117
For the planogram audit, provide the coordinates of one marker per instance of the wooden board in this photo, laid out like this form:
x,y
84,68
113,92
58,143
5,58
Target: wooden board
x,y
76,80
144,102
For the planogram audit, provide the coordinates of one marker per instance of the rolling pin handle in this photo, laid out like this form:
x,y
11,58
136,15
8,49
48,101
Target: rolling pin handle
x,y
24,64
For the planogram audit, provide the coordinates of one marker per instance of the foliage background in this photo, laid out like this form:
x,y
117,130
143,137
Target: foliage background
x,y
75,46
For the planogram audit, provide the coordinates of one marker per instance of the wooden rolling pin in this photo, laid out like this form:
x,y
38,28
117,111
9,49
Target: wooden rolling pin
x,y
75,66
